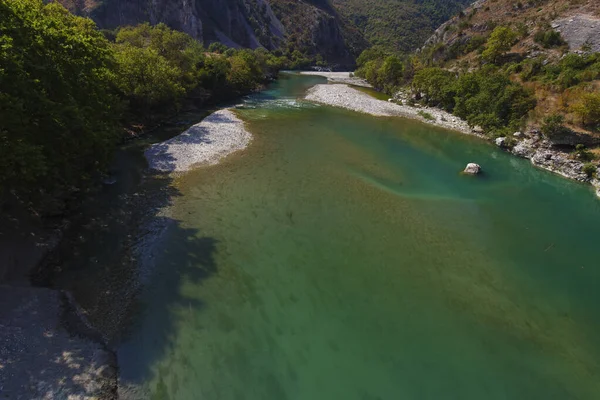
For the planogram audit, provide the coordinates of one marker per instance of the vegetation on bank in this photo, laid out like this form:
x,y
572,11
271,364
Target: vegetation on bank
x,y
397,25
67,90
496,89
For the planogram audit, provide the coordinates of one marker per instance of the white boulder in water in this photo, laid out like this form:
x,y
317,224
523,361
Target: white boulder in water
x,y
472,169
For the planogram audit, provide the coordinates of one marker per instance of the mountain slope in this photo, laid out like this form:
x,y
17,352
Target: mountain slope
x,y
398,25
335,31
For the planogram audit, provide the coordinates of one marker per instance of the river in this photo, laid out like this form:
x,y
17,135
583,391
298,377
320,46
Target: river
x,y
343,256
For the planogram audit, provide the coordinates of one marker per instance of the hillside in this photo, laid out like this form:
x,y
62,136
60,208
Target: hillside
x,y
545,33
400,25
332,32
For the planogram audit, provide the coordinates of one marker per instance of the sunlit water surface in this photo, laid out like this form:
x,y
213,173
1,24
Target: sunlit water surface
x,y
343,256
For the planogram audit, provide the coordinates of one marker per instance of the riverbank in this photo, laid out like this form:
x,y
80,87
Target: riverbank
x,y
207,142
341,95
530,145
339,77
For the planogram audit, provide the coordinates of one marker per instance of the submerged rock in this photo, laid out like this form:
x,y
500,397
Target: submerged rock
x,y
472,169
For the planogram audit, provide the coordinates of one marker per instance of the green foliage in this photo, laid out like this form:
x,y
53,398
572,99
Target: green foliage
x,y
582,153
64,89
489,99
384,72
426,115
587,108
499,42
398,26
437,86
552,126
158,68
548,38
569,71
589,169
58,116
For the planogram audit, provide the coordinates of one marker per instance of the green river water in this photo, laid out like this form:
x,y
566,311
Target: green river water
x,y
344,257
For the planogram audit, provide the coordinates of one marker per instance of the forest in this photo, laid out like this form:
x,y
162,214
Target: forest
x,y
69,89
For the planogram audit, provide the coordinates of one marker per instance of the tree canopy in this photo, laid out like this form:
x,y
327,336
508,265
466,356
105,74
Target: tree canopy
x,y
58,114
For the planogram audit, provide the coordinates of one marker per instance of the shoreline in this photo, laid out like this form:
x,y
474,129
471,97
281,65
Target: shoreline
x,y
341,95
532,146
207,142
339,77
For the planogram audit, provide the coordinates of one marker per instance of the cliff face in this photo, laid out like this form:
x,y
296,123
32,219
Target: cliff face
x,y
236,23
314,27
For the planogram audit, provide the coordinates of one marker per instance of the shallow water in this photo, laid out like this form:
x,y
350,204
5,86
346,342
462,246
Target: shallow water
x,y
343,256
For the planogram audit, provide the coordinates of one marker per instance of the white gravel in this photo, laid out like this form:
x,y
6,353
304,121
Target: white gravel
x,y
339,77
207,142
343,96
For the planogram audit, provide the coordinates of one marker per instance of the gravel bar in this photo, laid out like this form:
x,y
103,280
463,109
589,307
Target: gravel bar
x,y
207,142
339,95
339,77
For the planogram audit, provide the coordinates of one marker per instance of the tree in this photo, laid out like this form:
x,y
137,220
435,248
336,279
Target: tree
x,y
58,114
499,42
437,85
587,108
390,73
146,78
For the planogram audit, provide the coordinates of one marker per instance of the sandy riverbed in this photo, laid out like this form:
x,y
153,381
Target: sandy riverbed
x,y
343,96
207,142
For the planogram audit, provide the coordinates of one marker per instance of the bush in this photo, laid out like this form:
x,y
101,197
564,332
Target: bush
x,y
589,169
582,153
587,108
553,126
426,115
489,99
499,42
548,38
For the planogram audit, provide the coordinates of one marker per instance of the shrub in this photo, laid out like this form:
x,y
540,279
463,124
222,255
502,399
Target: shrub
x,y
499,42
548,38
553,125
426,115
587,108
589,169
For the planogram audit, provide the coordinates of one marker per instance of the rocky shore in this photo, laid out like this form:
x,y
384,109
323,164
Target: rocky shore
x,y
339,77
531,144
49,351
543,154
340,95
218,135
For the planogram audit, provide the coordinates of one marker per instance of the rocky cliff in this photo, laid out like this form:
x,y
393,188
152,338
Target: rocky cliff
x,y
237,23
311,26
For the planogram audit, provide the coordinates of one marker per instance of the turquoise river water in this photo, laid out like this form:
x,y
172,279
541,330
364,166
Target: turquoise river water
x,y
344,257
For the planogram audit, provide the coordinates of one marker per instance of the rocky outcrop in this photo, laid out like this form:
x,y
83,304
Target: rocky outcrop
x,y
543,154
568,138
581,32
472,169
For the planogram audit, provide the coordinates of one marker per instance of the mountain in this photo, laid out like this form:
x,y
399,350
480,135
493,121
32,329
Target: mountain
x,y
397,25
334,30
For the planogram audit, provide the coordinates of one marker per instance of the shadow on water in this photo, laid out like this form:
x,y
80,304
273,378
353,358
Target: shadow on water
x,y
169,256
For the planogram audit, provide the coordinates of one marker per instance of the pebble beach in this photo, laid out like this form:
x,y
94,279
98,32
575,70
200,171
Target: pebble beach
x,y
340,95
207,142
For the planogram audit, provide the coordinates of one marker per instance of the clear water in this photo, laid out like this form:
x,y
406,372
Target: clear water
x,y
343,256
